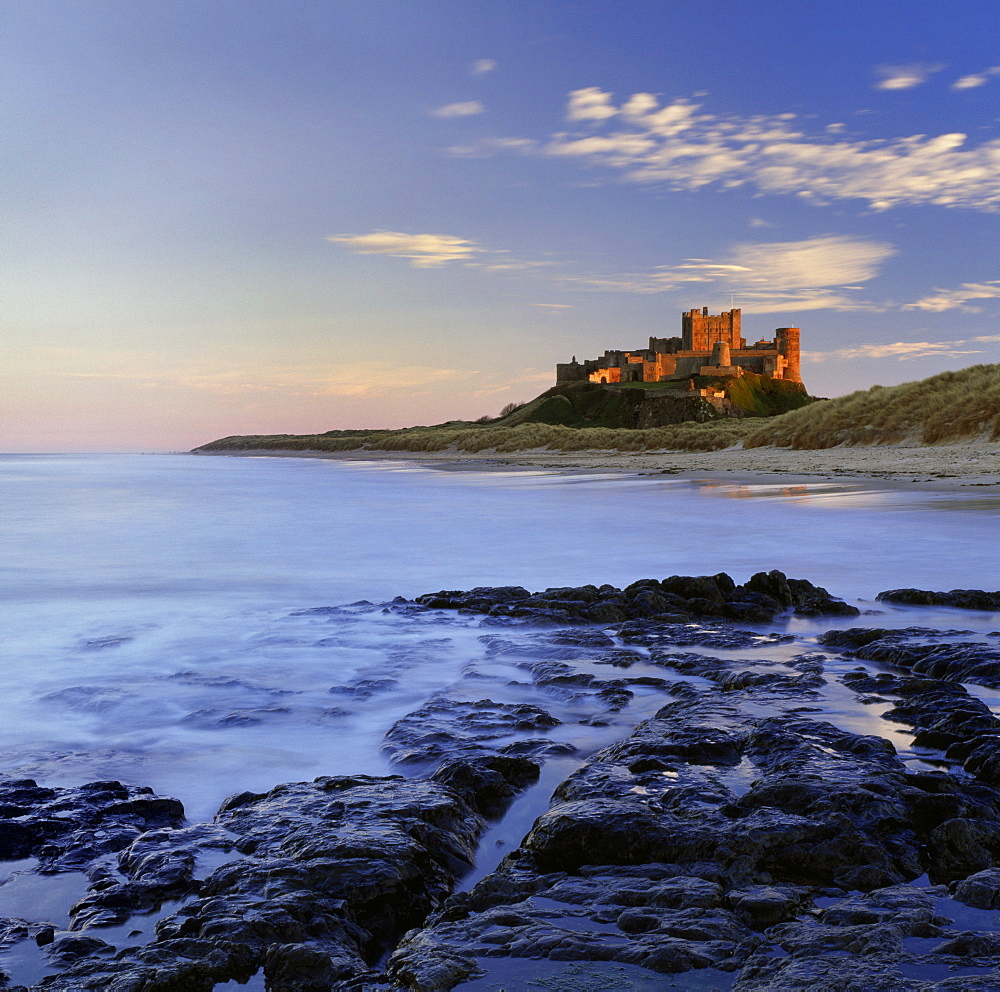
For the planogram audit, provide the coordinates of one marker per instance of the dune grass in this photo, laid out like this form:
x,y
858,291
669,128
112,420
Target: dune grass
x,y
950,407
474,438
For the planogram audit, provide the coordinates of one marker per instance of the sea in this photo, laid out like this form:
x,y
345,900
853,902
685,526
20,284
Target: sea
x,y
211,625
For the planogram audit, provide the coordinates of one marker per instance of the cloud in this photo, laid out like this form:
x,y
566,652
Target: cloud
x,y
423,250
780,277
957,299
431,250
510,265
481,66
900,350
833,260
362,378
488,147
589,104
904,77
976,79
679,146
375,379
468,108
556,306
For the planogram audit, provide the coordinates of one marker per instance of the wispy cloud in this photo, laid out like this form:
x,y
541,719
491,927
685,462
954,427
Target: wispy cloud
x,y
423,250
427,251
679,146
976,79
466,108
957,299
556,306
510,265
482,66
362,378
779,277
488,147
905,350
905,77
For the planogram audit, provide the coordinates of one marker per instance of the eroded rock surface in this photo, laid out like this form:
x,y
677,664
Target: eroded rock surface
x,y
776,852
332,872
738,832
69,828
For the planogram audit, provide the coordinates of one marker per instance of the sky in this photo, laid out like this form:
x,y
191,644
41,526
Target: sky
x,y
292,216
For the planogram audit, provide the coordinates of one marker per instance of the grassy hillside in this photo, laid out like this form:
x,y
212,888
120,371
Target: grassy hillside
x,y
645,405
586,404
473,437
952,406
758,396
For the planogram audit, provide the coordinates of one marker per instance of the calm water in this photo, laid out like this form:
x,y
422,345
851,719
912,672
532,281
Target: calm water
x,y
152,627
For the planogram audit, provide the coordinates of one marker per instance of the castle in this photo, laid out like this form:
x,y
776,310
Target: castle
x,y
710,344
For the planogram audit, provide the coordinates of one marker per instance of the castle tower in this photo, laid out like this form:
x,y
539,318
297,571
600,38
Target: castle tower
x,y
721,354
787,340
700,329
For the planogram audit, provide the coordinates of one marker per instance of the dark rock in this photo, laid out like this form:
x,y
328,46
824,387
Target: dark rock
x,y
962,846
488,783
963,661
762,906
70,947
966,599
335,870
67,828
445,728
981,890
855,637
158,866
678,597
704,588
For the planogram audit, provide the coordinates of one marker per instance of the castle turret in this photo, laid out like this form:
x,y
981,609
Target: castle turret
x,y
721,354
787,340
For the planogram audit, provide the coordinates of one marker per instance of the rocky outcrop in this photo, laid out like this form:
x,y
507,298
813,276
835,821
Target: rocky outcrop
x,y
651,855
69,828
922,650
332,872
445,728
677,598
965,599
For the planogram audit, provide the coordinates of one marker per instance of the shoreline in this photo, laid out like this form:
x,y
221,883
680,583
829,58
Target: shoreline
x,y
940,467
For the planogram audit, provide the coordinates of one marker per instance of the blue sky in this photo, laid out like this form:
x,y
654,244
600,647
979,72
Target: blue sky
x,y
284,217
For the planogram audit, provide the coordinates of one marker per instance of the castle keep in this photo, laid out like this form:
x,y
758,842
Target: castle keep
x,y
710,344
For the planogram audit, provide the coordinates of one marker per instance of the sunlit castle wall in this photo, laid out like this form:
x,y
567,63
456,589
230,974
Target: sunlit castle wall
x,y
700,329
